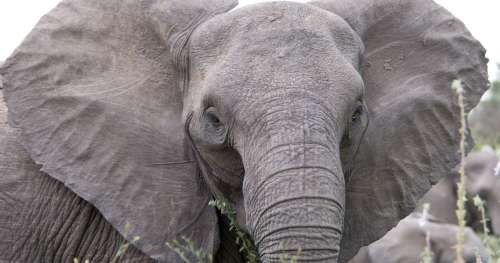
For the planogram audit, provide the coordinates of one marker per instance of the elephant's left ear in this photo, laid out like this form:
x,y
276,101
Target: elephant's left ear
x,y
414,50
96,89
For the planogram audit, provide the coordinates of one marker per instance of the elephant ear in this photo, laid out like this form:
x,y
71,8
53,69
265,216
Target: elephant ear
x,y
414,50
96,89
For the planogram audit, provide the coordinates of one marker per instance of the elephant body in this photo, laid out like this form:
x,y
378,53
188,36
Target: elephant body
x,y
321,124
407,242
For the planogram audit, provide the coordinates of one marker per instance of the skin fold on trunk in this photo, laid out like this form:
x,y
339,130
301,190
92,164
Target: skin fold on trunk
x,y
295,191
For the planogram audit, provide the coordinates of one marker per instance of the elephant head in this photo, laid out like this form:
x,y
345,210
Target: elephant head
x,y
483,177
147,109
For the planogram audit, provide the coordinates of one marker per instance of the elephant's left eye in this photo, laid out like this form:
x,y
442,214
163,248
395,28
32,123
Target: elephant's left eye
x,y
213,118
357,112
215,130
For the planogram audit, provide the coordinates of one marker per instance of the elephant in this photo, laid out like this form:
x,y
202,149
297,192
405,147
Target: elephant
x,y
482,170
407,242
320,123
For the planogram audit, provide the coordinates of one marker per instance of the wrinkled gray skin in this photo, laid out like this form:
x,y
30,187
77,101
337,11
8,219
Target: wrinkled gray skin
x,y
136,113
406,242
36,208
481,180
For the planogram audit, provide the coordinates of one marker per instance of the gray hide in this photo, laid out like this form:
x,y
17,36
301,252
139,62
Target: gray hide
x,y
264,106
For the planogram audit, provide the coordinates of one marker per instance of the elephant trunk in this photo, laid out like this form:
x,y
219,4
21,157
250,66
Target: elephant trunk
x,y
295,202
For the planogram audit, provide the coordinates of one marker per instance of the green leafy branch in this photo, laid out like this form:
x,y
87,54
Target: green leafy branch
x,y
243,240
189,248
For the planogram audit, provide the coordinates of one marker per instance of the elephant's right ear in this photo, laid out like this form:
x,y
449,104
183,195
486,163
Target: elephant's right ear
x,y
96,90
414,50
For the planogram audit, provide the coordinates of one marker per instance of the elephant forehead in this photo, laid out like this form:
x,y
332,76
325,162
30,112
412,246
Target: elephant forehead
x,y
276,28
277,45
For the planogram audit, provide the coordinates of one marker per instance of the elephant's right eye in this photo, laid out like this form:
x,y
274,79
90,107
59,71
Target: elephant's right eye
x,y
357,112
213,118
214,129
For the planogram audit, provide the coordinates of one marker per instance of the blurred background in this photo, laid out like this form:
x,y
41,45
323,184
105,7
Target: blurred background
x,y
484,120
17,18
